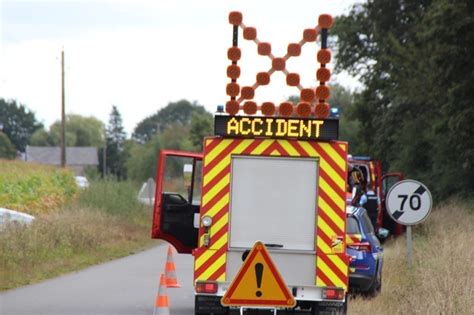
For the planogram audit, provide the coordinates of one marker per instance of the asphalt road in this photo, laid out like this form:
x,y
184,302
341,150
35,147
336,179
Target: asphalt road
x,y
124,286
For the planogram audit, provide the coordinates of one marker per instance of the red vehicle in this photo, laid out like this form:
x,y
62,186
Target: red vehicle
x,y
377,187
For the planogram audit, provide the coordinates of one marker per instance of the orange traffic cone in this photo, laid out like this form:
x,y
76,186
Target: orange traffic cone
x,y
162,304
170,271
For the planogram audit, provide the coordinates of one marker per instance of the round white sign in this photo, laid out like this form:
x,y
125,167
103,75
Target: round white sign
x,y
409,202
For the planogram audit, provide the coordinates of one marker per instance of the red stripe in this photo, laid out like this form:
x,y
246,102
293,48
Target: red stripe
x,y
342,152
211,260
341,213
323,276
227,150
212,145
328,159
214,200
340,192
281,150
296,145
252,146
334,268
218,273
216,179
270,149
217,235
323,215
326,239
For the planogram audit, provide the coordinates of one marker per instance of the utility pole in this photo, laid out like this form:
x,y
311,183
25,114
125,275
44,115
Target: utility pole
x,y
63,116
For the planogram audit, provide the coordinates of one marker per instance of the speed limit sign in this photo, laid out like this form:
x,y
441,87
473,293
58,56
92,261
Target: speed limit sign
x,y
409,202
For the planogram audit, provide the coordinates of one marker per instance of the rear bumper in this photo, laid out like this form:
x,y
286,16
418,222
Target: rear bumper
x,y
360,282
211,304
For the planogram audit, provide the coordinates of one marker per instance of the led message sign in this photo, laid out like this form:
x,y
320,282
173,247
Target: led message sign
x,y
276,127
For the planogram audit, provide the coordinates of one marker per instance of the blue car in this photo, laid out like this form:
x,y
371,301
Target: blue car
x,y
365,251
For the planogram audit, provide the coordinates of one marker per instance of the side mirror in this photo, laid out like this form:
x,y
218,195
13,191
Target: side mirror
x,y
383,233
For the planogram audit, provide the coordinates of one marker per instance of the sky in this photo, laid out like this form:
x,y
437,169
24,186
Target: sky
x,y
139,55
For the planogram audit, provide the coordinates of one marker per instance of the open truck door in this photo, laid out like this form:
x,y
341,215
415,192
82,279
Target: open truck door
x,y
388,180
178,199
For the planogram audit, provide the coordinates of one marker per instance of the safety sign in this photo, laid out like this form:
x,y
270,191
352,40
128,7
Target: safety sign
x,y
258,283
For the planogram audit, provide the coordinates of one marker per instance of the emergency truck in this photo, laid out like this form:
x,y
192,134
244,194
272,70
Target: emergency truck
x,y
274,174
377,186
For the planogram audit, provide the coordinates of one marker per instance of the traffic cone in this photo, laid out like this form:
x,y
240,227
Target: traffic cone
x,y
162,304
170,271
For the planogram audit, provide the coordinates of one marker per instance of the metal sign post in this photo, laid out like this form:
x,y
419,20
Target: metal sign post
x,y
408,203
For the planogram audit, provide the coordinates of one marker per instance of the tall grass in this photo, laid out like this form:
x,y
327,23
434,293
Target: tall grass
x,y
441,280
34,188
105,221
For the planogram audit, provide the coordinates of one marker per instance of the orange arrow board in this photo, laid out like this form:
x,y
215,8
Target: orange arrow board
x,y
258,283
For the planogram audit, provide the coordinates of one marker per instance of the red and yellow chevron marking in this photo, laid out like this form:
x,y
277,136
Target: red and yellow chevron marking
x,y
332,267
372,175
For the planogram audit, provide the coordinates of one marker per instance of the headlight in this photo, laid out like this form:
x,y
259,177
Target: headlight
x,y
206,221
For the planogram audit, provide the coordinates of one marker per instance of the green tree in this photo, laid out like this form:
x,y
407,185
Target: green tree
x,y
7,149
201,126
115,139
80,131
18,123
179,113
415,110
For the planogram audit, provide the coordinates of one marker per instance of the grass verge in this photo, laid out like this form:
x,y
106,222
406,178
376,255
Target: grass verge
x,y
441,280
104,222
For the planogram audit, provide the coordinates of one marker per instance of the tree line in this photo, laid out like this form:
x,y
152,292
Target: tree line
x,y
416,108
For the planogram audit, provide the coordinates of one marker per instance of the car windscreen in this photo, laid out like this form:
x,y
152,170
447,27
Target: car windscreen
x,y
352,226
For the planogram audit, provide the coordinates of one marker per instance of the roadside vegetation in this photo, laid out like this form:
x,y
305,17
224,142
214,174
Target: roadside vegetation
x,y
34,188
94,225
441,280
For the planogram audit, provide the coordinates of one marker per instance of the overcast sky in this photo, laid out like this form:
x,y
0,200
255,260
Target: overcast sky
x,y
140,55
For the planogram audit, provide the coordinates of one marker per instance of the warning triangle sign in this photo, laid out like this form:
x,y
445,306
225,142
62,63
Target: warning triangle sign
x,y
258,283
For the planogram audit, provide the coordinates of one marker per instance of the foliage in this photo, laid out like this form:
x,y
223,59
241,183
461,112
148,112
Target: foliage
x,y
115,154
103,223
80,132
7,149
182,126
18,123
34,188
180,113
415,111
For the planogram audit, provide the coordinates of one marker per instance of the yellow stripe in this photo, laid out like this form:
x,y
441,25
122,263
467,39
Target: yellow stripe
x,y
216,170
262,147
330,212
288,148
341,265
323,246
334,155
308,148
208,142
320,283
338,180
330,274
216,227
275,153
216,189
343,146
208,253
219,205
213,268
323,226
217,149
340,202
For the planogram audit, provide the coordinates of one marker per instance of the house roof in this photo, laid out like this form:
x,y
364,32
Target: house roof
x,y
52,155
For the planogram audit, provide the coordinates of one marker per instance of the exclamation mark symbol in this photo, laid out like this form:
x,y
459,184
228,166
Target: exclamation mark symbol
x,y
259,274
